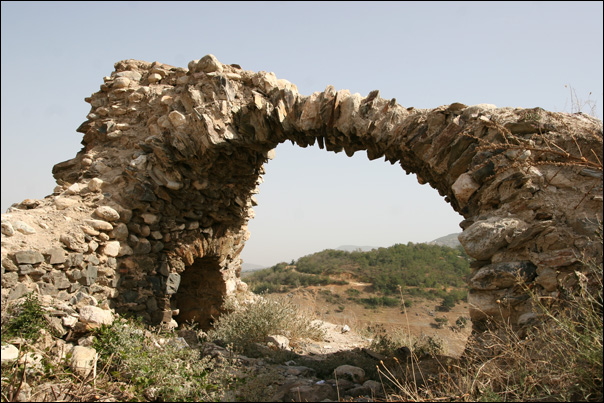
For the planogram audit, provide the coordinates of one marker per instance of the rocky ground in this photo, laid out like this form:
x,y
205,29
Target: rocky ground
x,y
339,367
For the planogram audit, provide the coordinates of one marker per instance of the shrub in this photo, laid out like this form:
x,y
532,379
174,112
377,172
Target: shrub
x,y
375,302
441,322
165,372
352,293
245,324
26,320
389,342
461,322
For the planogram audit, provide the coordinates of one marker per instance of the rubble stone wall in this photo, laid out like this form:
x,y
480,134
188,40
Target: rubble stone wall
x,y
151,215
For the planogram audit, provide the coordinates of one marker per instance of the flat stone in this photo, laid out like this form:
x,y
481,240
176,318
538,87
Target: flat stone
x,y
107,213
125,250
10,353
29,257
62,203
154,78
95,184
89,274
279,341
172,283
150,218
89,230
142,247
209,64
483,239
100,225
73,189
24,228
57,256
120,232
556,258
75,242
18,290
112,248
69,321
547,278
502,275
47,289
95,315
121,82
464,187
7,228
25,269
177,119
132,75
60,280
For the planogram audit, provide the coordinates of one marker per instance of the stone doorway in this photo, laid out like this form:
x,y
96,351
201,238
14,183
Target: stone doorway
x,y
201,293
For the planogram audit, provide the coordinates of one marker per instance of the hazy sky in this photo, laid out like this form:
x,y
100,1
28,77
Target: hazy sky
x,y
426,54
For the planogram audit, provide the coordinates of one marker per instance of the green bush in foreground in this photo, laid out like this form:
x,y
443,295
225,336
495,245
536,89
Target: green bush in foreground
x,y
159,373
25,320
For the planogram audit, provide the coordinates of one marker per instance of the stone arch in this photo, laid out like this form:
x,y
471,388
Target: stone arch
x,y
179,154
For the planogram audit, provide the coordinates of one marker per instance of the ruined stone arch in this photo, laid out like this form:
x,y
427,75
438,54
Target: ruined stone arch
x,y
178,153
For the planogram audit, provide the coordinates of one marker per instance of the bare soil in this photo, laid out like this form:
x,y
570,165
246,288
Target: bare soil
x,y
417,320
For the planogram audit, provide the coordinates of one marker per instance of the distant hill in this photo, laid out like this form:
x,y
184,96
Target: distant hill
x,y
251,267
448,240
413,266
355,248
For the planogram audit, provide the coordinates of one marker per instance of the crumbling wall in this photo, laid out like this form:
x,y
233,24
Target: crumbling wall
x,y
151,215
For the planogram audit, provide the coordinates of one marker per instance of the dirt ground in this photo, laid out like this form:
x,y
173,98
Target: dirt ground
x,y
417,320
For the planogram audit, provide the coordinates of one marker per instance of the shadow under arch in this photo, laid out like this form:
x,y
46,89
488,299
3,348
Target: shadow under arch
x,y
200,294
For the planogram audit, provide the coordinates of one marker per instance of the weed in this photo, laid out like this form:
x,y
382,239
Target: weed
x,y
25,320
578,105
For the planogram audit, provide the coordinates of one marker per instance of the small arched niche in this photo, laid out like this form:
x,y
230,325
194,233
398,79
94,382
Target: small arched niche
x,y
201,293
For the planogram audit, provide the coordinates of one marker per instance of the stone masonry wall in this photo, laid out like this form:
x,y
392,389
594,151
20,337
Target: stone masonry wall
x,y
151,215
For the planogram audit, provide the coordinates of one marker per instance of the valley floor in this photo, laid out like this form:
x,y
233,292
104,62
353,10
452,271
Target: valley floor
x,y
326,303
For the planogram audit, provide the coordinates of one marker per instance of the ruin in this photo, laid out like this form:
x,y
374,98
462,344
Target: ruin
x,y
153,210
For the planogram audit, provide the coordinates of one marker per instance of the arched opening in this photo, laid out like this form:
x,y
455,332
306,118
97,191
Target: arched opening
x,y
201,293
312,199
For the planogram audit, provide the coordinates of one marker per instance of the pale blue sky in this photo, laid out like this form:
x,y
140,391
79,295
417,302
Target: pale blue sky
x,y
426,54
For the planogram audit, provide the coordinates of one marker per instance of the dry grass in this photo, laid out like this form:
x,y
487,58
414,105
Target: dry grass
x,y
246,324
559,358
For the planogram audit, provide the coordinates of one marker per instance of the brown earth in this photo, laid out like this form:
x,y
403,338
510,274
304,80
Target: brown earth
x,y
330,304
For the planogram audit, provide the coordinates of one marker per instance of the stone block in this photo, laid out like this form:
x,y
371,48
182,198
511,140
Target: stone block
x,y
172,283
484,238
95,315
83,360
29,257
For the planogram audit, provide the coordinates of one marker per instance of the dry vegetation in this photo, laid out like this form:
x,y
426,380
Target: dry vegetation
x,y
559,358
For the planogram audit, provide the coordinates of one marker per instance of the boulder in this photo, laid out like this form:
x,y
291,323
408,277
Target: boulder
x,y
95,315
83,360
